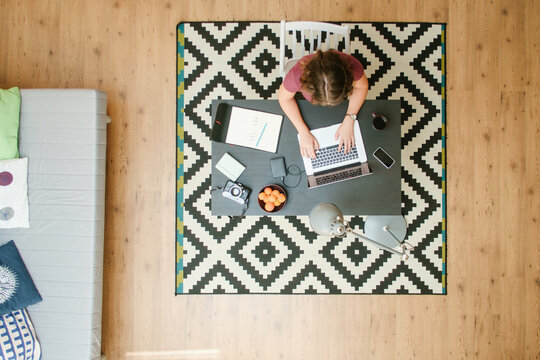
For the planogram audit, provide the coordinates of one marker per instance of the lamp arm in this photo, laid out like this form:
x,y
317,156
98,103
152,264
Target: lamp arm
x,y
376,244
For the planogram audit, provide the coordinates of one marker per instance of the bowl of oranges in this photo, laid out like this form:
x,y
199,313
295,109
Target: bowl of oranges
x,y
272,198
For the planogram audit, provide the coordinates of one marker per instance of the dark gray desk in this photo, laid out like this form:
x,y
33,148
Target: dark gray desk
x,y
375,194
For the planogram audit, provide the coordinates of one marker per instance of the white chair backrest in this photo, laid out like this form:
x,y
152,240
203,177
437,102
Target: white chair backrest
x,y
313,32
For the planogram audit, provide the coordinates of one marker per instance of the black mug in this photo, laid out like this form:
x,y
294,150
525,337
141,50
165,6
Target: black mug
x,y
379,122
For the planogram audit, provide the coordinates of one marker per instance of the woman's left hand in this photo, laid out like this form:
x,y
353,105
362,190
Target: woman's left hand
x,y
345,134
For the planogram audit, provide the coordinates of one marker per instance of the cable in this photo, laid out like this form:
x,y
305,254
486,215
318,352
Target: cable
x,y
289,172
245,208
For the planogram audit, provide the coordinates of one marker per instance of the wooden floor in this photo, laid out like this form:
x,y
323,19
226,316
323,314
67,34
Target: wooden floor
x,y
127,48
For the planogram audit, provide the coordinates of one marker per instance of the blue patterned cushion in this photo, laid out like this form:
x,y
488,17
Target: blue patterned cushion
x,y
17,337
17,290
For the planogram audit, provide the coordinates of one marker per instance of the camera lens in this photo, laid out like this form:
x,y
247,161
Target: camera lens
x,y
235,191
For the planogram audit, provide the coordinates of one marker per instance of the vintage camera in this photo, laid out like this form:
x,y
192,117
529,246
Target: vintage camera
x,y
236,192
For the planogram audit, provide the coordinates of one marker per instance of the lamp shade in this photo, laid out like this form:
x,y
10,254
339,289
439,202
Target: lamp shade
x,y
327,219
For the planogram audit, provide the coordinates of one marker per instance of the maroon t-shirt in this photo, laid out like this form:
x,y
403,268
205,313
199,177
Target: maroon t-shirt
x,y
292,79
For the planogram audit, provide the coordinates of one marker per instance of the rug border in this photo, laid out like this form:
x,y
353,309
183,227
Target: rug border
x,y
444,167
179,149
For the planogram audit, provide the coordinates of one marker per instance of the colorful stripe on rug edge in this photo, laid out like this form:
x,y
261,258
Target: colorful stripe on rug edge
x,y
179,249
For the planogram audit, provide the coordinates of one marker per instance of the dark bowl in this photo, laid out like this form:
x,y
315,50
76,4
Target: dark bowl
x,y
277,208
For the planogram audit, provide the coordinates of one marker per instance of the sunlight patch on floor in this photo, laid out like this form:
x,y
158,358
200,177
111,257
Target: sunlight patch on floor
x,y
202,354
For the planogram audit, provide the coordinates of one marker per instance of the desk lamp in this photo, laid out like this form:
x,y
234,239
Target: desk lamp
x,y
326,219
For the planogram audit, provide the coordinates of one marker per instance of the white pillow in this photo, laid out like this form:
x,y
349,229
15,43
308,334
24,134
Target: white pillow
x,y
14,193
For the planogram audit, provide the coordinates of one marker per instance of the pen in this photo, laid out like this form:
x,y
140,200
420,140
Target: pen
x,y
262,132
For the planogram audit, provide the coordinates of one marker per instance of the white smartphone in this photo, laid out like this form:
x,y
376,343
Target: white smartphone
x,y
384,158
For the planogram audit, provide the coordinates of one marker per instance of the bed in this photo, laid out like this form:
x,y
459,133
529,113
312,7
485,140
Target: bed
x,y
63,132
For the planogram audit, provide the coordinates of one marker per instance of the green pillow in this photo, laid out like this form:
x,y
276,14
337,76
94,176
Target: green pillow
x,y
10,105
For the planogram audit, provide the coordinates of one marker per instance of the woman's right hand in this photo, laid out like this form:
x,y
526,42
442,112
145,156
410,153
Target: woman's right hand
x,y
308,145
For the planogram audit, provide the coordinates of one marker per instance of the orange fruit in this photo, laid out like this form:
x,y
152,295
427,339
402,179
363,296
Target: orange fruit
x,y
267,191
277,202
271,198
262,196
281,197
275,193
269,206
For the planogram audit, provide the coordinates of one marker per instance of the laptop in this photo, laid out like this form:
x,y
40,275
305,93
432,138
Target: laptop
x,y
331,166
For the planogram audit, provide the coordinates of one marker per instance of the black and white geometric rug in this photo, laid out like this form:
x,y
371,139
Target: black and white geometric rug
x,y
281,254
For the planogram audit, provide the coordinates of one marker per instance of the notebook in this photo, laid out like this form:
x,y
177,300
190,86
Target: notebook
x,y
246,127
230,167
331,166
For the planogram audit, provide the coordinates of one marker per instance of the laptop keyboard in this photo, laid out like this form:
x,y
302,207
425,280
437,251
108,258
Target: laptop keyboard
x,y
330,155
343,175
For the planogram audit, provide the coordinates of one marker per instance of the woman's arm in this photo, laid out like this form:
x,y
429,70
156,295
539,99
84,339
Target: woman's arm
x,y
308,143
345,133
358,95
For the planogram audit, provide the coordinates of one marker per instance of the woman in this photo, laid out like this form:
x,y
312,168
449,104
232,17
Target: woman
x,y
324,78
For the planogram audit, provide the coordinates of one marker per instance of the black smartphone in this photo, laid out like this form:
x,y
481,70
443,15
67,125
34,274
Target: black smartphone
x,y
384,158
